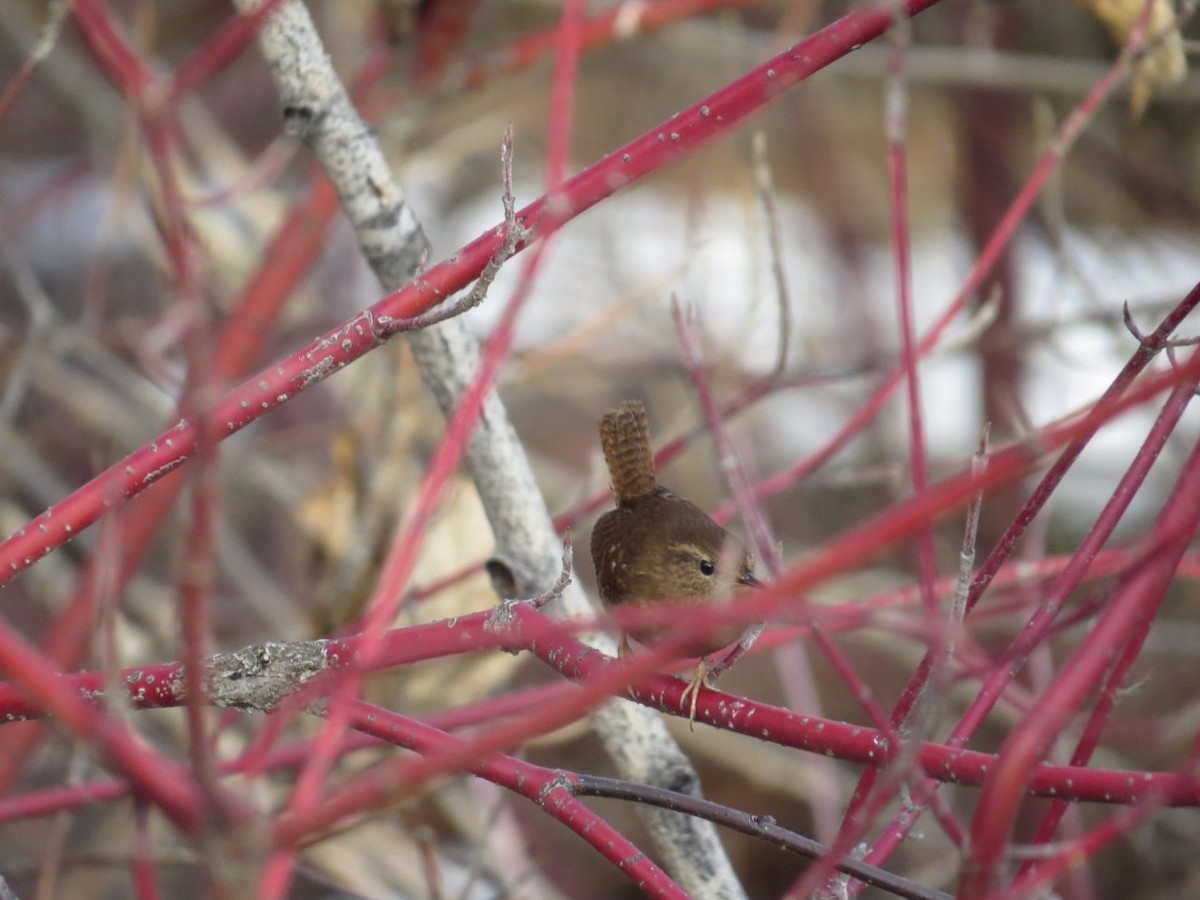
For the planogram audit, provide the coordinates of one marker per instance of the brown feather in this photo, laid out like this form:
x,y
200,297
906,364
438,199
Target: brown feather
x,y
625,439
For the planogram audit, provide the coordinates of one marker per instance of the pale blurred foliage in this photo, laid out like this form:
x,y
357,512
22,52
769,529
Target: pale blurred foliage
x,y
1165,63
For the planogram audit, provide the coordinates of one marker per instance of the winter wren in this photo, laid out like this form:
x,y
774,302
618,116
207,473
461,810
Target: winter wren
x,y
656,546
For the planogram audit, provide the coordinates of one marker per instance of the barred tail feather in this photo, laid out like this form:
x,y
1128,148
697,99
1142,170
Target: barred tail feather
x,y
625,439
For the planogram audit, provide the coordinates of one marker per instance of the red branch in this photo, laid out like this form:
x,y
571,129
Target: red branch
x,y
273,386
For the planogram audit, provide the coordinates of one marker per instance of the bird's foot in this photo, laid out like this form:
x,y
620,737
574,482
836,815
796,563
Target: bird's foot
x,y
699,680
624,651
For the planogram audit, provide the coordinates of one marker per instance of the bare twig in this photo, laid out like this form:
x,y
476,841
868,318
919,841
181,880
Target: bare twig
x,y
514,234
46,40
448,356
783,295
763,827
966,557
501,577
1145,341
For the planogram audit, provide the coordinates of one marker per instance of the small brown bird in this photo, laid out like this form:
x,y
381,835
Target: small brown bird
x,y
656,546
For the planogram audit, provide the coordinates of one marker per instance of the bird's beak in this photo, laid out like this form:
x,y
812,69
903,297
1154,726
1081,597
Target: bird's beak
x,y
748,580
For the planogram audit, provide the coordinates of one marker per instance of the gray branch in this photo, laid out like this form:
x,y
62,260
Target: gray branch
x,y
317,108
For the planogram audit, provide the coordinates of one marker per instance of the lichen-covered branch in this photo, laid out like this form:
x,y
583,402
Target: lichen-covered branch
x,y
317,107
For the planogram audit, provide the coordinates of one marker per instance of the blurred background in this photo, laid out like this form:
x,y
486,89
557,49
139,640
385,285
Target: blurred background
x,y
91,366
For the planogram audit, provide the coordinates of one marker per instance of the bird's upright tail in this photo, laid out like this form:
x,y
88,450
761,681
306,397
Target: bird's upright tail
x,y
625,439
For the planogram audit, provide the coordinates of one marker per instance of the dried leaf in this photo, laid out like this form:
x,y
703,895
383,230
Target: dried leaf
x,y
1163,62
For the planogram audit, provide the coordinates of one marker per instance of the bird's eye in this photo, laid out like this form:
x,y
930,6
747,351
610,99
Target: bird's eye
x,y
707,567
